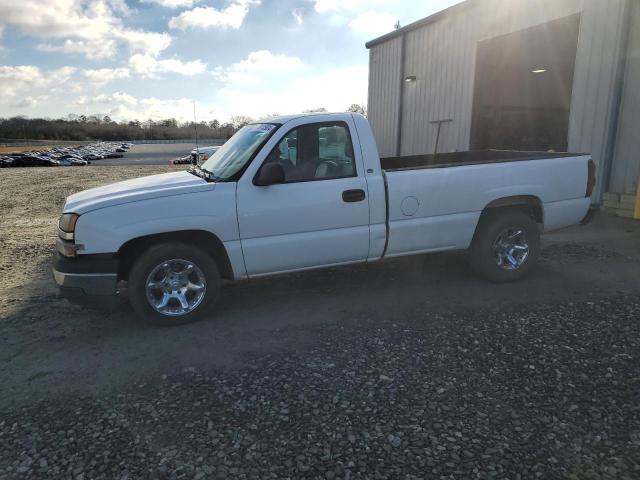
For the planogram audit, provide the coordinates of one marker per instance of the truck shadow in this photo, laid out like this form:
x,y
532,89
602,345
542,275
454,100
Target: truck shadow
x,y
51,344
427,282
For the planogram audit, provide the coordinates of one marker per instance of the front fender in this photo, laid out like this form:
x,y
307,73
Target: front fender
x,y
106,230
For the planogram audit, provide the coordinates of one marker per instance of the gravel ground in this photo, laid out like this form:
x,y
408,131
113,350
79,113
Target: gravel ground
x,y
32,199
404,369
547,393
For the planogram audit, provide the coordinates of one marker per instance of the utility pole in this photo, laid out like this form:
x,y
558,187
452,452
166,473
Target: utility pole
x,y
195,126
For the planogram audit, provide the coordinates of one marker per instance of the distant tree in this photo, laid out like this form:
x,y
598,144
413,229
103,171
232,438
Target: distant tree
x,y
239,121
355,108
102,127
315,110
397,25
169,123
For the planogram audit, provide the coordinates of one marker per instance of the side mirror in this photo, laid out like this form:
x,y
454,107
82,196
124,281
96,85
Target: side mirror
x,y
270,174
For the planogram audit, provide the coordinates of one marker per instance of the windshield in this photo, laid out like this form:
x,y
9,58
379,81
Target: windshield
x,y
238,150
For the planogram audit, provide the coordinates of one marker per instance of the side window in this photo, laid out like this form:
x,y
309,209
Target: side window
x,y
315,152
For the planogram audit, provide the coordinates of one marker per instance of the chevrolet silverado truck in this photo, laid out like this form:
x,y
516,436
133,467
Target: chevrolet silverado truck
x,y
308,191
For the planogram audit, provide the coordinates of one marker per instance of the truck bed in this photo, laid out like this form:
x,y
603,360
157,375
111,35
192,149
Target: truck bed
x,y
473,157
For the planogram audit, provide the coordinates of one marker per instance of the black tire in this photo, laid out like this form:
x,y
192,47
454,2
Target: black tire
x,y
493,224
165,252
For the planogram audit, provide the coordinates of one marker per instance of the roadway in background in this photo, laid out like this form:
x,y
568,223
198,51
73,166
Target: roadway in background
x,y
153,154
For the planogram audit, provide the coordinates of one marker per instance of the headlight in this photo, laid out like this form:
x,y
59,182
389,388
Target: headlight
x,y
67,225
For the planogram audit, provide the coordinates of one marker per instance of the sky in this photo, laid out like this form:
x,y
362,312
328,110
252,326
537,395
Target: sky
x,y
152,59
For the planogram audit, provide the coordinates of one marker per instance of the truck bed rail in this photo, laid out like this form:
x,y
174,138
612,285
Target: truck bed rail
x,y
473,157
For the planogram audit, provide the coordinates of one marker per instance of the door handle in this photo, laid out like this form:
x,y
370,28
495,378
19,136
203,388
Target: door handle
x,y
356,195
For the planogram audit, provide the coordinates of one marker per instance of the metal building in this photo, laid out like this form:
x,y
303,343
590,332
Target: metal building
x,y
522,74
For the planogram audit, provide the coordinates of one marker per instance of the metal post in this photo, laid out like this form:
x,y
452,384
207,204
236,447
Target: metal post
x,y
636,212
439,123
400,96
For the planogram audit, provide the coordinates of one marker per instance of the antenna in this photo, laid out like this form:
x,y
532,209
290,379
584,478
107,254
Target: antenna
x,y
195,126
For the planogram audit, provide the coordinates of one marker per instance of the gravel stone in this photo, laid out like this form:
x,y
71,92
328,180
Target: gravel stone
x,y
548,392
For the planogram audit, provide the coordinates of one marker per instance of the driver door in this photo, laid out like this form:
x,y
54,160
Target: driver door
x,y
319,216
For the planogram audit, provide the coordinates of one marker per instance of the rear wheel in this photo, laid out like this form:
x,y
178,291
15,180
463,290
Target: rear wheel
x,y
506,245
173,284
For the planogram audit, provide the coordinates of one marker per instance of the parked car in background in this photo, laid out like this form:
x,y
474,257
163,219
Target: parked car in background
x,y
202,154
72,162
181,160
255,208
33,161
66,156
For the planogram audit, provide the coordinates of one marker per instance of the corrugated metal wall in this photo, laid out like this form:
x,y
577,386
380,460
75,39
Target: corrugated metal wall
x,y
384,87
442,56
599,46
626,161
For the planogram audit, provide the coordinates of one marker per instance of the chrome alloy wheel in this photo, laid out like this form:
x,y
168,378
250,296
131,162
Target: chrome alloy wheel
x,y
511,249
175,287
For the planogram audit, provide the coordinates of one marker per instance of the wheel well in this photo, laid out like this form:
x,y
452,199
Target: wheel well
x,y
207,241
528,204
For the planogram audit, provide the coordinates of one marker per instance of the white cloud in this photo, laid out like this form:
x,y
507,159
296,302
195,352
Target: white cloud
x,y
88,27
172,3
257,65
81,100
92,49
105,75
115,98
373,23
154,109
111,99
16,78
30,102
231,16
150,43
297,16
122,106
324,6
147,65
334,90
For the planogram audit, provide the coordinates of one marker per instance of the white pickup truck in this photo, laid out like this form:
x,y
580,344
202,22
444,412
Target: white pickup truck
x,y
307,191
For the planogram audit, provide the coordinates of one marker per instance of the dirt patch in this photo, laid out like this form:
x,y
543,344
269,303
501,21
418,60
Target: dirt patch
x,y
32,200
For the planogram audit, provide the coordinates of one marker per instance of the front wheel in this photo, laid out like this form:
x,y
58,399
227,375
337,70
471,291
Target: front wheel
x,y
173,284
506,246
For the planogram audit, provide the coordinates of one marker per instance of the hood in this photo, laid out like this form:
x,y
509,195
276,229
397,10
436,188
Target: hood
x,y
145,188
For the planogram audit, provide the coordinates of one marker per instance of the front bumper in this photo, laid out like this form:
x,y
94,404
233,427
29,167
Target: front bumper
x,y
89,274
89,283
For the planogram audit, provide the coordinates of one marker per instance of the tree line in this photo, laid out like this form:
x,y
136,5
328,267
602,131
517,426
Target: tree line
x,y
88,128
81,128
